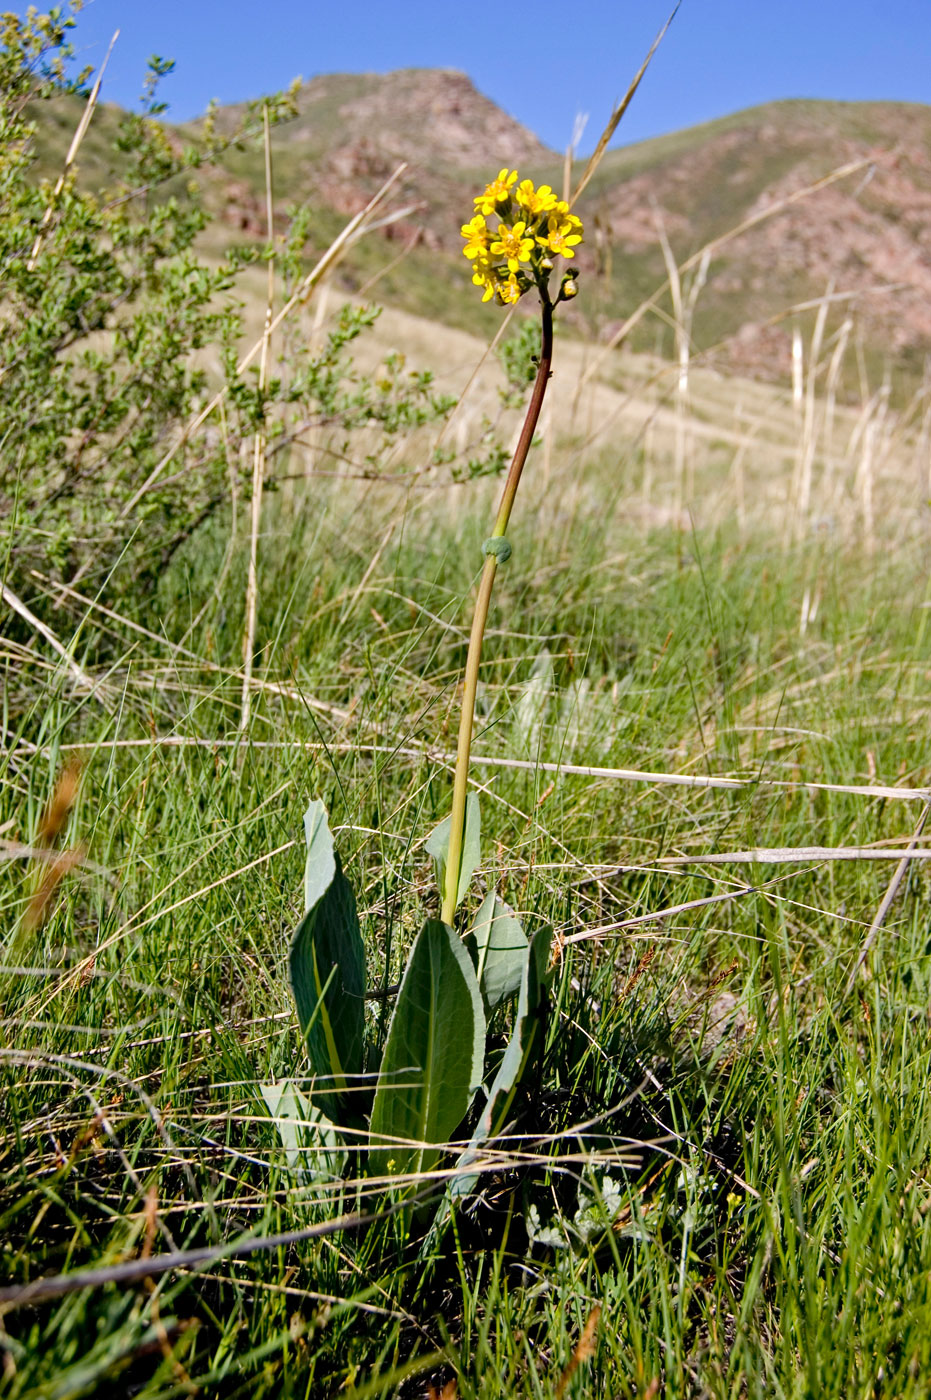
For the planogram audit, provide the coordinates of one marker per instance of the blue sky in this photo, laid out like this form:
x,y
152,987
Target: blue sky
x,y
542,63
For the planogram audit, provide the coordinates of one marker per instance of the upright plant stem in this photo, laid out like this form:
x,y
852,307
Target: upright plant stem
x,y
480,619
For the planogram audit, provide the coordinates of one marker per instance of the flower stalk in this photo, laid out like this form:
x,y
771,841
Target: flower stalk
x,y
480,618
533,228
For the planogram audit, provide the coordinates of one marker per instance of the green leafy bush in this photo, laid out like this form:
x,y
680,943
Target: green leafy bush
x,y
119,337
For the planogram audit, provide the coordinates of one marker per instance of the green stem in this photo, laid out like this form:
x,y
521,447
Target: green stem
x,y
474,657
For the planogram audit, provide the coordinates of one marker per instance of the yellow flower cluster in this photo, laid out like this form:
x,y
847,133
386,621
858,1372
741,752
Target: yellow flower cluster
x,y
514,251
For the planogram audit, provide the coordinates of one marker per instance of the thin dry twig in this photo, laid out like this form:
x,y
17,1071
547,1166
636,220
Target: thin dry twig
x,y
887,900
70,158
189,1260
258,456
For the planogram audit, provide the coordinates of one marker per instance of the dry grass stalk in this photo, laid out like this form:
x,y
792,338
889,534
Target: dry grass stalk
x,y
830,410
258,457
70,158
583,1353
19,607
809,436
798,369
581,121
615,118
874,433
684,301
886,904
871,791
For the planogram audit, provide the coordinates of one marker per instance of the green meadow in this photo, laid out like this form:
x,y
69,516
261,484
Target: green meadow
x,y
701,752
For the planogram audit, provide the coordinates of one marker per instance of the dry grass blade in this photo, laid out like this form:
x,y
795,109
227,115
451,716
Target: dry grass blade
x,y
887,899
615,118
656,914
357,224
70,158
584,1351
258,457
788,855
19,607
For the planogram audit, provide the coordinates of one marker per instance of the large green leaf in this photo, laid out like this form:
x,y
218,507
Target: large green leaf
x,y
327,967
320,866
525,1042
433,1056
311,1143
497,946
438,847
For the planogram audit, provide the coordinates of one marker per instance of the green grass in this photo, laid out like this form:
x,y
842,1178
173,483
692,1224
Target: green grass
x,y
763,1131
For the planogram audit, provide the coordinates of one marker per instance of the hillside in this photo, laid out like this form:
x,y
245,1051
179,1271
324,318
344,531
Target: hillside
x,y
866,238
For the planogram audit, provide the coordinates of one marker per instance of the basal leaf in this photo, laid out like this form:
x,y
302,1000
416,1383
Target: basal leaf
x,y
526,1039
311,1143
497,946
327,966
433,1056
320,866
437,845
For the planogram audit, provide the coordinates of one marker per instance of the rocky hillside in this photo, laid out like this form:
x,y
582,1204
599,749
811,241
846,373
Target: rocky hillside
x,y
865,239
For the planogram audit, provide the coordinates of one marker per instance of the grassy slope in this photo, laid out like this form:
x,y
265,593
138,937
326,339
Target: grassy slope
x,y
773,1237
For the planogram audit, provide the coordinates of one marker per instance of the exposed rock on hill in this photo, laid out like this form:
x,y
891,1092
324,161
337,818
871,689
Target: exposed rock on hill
x,y
867,238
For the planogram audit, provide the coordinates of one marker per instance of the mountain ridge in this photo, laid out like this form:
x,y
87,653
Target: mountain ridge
x,y
866,240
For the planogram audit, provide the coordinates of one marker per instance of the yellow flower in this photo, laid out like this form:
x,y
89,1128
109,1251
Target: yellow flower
x,y
514,244
510,291
476,232
535,202
561,233
497,192
484,276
